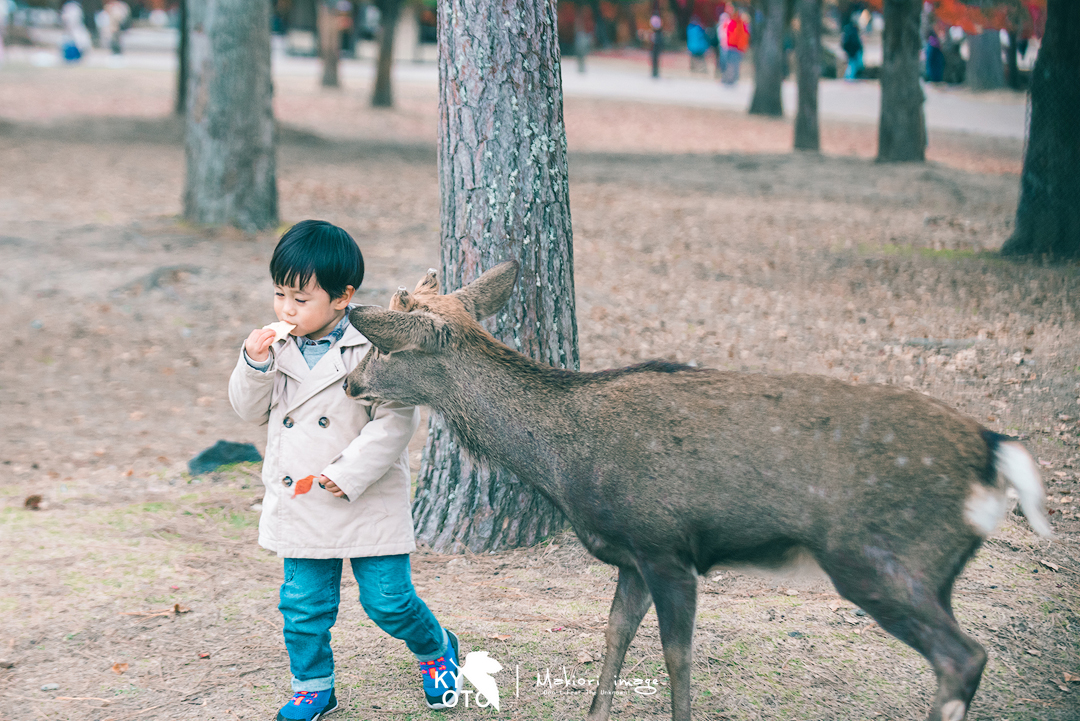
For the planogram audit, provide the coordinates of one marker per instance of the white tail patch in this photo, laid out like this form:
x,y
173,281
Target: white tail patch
x,y
985,509
953,711
1016,464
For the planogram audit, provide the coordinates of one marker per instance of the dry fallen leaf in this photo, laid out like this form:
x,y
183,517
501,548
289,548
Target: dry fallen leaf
x,y
32,503
1051,566
500,636
204,655
1071,677
303,486
136,415
792,592
584,656
1033,652
119,667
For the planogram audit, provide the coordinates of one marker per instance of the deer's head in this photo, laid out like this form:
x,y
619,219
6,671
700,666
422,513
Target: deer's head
x,y
416,340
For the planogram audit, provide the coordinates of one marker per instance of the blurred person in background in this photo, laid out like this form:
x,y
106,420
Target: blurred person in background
x,y
738,42
76,41
697,44
935,58
721,39
853,48
111,22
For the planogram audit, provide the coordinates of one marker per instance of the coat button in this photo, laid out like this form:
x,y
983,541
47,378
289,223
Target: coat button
x,y
286,481
288,422
324,422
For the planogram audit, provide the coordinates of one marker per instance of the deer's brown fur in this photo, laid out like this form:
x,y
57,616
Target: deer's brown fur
x,y
667,471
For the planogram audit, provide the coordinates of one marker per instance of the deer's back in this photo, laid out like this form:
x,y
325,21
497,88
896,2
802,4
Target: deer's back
x,y
731,463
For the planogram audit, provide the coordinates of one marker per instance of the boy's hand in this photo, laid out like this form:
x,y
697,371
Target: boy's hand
x,y
329,485
257,345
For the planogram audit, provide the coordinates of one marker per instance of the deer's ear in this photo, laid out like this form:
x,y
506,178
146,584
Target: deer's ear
x,y
429,284
392,331
488,293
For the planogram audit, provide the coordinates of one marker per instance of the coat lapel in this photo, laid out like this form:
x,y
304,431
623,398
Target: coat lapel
x,y
330,369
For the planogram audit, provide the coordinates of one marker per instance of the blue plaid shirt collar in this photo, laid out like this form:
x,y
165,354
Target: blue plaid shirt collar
x,y
313,350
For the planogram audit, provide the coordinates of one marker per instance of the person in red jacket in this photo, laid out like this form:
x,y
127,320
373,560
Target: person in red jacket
x,y
737,34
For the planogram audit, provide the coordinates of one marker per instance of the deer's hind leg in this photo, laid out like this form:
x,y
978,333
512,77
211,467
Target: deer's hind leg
x,y
919,616
631,601
674,591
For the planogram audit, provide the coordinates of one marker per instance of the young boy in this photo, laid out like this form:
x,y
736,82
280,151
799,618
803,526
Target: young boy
x,y
358,505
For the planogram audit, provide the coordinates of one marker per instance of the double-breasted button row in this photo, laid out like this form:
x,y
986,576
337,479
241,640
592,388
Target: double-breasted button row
x,y
324,422
286,481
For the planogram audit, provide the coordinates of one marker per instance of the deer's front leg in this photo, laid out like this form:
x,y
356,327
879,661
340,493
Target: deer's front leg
x,y
627,609
674,591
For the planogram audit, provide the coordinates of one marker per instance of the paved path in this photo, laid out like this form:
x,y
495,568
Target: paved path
x,y
996,115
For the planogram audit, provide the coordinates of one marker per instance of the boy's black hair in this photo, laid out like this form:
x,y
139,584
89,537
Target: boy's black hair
x,y
315,248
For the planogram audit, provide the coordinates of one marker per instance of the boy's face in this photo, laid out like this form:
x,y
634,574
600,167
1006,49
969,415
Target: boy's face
x,y
310,308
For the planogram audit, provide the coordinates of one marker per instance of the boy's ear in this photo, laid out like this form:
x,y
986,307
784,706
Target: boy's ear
x,y
488,293
343,300
392,331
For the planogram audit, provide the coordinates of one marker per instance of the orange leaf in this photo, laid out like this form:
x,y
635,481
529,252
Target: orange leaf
x,y
303,486
119,667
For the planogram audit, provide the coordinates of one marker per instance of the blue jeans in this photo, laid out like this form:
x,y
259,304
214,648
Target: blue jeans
x,y
309,603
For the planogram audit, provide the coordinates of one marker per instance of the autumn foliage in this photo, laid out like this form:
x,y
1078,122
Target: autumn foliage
x,y
1024,17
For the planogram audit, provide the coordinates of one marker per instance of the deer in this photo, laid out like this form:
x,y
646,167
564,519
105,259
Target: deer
x,y
667,471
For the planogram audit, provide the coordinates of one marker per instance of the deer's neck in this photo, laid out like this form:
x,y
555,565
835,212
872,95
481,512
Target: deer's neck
x,y
511,411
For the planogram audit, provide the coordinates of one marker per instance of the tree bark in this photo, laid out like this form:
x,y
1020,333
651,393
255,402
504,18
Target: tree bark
x,y
902,125
229,138
769,62
808,50
1048,215
389,10
329,43
505,195
182,62
985,69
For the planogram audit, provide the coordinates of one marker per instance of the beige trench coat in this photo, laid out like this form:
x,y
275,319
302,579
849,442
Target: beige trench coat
x,y
313,429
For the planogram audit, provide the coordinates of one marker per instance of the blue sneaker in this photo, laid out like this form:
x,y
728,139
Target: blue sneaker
x,y
442,679
308,706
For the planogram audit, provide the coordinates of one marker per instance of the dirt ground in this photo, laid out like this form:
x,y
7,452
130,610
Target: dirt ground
x,y
140,592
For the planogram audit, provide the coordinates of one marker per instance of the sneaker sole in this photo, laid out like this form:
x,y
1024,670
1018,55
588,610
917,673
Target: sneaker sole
x,y
316,717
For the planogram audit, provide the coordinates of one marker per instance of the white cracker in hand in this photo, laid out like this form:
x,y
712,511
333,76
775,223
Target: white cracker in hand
x,y
281,329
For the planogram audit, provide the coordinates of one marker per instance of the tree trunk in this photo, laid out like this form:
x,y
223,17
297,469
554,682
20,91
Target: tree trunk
x,y
808,50
769,62
1048,216
902,125
389,10
329,43
229,139
182,62
683,12
505,195
985,69
1012,68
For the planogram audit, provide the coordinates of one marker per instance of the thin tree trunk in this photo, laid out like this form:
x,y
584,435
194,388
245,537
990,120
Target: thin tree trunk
x,y
902,125
985,69
1048,216
329,43
1012,69
229,139
389,10
682,14
808,50
505,195
769,62
182,62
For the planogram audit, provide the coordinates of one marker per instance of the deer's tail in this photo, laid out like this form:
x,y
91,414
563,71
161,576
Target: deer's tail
x,y
1018,467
